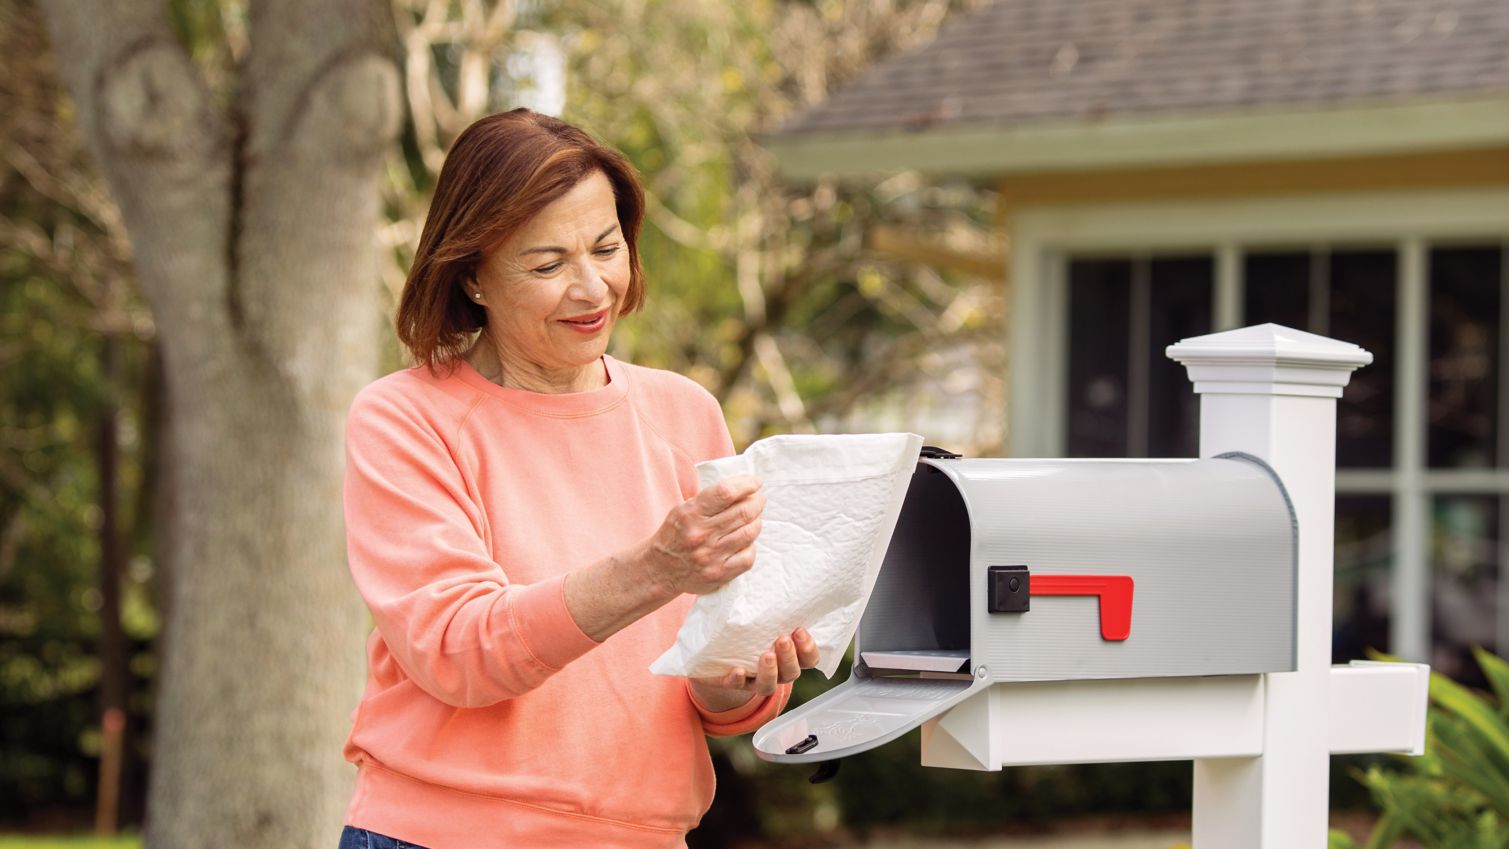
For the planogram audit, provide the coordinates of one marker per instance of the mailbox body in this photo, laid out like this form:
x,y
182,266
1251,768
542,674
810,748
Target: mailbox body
x,y
1209,547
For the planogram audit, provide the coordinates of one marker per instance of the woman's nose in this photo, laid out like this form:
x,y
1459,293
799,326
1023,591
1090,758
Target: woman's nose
x,y
589,285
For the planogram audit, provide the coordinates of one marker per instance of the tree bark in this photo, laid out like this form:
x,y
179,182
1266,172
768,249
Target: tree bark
x,y
252,229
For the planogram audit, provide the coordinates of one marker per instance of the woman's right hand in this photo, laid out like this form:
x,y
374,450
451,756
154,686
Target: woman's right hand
x,y
708,540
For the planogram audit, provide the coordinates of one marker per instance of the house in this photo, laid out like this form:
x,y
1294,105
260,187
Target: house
x,y
1168,168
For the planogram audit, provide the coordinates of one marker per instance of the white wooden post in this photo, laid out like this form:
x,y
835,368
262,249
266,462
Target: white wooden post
x,y
1271,391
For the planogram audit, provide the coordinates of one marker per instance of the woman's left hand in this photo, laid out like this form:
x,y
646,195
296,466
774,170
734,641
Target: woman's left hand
x,y
782,664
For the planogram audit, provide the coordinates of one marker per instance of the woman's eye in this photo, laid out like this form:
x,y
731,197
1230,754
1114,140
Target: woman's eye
x,y
607,250
549,269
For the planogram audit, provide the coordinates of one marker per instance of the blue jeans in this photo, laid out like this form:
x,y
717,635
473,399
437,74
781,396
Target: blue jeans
x,y
358,838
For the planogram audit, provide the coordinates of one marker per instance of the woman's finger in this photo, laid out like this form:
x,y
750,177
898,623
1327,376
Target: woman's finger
x,y
767,675
733,565
737,516
741,537
727,492
736,679
787,665
807,653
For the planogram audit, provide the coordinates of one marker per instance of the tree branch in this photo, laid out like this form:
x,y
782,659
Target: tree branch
x,y
682,231
418,40
776,305
788,399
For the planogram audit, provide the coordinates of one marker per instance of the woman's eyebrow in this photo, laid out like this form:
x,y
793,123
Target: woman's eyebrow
x,y
553,249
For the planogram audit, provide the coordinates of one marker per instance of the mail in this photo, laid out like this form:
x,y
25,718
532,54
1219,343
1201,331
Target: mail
x,y
831,504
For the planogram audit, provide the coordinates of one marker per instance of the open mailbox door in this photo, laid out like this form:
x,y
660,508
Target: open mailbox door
x,y
858,715
912,658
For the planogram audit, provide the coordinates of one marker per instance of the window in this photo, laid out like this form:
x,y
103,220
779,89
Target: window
x,y
1126,398
1422,433
1346,294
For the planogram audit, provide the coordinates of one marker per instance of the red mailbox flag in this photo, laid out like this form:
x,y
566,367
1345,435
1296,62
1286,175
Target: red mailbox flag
x,y
1114,592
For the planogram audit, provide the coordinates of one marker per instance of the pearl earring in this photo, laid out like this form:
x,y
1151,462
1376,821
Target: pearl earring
x,y
477,295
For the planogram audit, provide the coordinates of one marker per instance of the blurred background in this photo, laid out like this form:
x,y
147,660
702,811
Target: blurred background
x,y
981,222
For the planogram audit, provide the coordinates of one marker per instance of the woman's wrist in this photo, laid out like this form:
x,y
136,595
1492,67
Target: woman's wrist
x,y
647,564
613,593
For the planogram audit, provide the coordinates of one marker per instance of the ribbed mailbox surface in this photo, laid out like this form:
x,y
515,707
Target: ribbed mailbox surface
x,y
1202,551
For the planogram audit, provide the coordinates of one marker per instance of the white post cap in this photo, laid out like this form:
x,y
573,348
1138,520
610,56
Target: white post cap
x,y
1269,359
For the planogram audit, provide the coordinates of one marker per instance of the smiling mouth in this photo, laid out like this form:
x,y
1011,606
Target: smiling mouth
x,y
591,321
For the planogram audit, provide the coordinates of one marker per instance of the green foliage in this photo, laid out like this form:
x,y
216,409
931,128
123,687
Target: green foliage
x,y
27,842
62,293
1456,795
766,291
50,556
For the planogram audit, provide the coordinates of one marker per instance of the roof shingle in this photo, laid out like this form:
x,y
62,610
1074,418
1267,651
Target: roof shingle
x,y
1054,61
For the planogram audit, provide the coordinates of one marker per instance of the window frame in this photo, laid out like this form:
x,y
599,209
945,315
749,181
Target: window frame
x,y
1043,237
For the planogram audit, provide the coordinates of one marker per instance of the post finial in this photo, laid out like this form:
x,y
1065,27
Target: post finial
x,y
1269,359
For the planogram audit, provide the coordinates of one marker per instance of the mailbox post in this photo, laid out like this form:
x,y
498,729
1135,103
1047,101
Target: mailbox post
x,y
1213,637
1271,392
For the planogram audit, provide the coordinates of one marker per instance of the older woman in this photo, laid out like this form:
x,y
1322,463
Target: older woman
x,y
524,524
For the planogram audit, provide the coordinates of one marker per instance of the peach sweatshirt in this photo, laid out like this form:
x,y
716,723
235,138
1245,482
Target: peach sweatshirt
x,y
489,718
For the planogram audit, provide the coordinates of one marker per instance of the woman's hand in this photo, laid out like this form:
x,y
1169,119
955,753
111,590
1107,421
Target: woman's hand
x,y
704,542
707,540
788,656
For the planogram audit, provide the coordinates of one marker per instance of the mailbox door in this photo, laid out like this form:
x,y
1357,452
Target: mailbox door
x,y
857,716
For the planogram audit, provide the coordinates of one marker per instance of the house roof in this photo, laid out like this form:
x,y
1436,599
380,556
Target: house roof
x,y
1023,64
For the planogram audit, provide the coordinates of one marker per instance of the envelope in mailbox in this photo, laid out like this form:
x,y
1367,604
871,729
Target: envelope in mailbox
x,y
831,505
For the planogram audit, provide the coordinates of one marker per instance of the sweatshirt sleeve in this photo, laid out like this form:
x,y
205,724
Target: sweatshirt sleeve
x,y
453,621
744,718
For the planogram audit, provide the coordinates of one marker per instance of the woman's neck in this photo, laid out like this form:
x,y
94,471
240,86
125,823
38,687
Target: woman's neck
x,y
515,373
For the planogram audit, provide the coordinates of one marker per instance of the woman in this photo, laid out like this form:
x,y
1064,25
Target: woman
x,y
524,524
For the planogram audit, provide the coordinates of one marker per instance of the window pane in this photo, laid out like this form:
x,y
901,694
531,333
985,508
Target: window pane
x,y
1364,558
1182,292
1362,296
1464,357
1465,574
1099,306
1277,289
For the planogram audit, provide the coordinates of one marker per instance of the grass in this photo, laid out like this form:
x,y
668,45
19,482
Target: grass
x,y
22,841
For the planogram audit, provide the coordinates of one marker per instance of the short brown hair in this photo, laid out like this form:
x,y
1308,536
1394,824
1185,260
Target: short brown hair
x,y
500,172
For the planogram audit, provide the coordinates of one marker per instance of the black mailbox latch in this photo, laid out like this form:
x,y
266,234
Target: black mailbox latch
x,y
1009,589
802,745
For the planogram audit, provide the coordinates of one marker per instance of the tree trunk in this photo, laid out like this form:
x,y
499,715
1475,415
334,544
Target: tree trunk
x,y
112,646
252,229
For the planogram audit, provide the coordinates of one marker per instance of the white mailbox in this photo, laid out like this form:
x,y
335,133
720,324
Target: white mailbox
x,y
1050,570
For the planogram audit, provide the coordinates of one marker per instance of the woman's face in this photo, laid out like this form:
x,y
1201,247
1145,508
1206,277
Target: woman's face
x,y
552,289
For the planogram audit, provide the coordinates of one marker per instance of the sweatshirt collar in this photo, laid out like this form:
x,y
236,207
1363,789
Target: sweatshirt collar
x,y
565,405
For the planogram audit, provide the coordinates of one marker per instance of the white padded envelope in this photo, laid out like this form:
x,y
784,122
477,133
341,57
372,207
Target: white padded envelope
x,y
831,505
